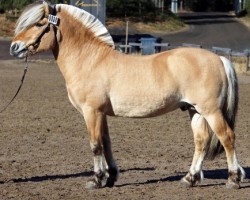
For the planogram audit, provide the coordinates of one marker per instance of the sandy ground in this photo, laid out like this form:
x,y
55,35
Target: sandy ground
x,y
45,153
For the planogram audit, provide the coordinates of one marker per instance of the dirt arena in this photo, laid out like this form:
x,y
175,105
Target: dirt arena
x,y
45,153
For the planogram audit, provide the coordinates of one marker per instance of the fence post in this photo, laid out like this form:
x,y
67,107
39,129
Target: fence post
x,y
246,52
226,51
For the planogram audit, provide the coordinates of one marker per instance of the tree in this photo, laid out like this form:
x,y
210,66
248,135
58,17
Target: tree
x,y
20,4
247,6
130,8
14,4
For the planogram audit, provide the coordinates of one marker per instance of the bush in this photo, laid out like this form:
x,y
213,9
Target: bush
x,y
130,8
247,4
209,5
14,4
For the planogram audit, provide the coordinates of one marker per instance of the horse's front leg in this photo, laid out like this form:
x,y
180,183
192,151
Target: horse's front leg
x,y
94,122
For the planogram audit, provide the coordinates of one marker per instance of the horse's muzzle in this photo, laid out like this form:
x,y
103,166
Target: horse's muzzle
x,y
18,49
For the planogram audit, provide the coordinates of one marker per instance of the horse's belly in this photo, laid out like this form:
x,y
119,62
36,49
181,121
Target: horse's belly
x,y
143,106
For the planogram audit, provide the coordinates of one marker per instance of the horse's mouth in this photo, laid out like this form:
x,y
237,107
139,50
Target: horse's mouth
x,y
21,54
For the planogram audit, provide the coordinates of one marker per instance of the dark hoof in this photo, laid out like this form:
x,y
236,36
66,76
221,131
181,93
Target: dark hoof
x,y
110,182
112,177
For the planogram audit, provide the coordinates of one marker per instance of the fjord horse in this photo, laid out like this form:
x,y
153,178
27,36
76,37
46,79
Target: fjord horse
x,y
103,82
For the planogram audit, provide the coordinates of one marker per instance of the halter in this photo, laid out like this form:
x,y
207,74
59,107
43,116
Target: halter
x,y
53,20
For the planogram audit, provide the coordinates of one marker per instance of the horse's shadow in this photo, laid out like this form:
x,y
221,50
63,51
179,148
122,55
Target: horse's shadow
x,y
209,174
48,177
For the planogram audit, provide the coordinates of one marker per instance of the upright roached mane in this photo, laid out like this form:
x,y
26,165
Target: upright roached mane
x,y
103,82
33,14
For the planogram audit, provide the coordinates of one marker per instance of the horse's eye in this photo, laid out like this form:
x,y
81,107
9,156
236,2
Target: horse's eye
x,y
38,25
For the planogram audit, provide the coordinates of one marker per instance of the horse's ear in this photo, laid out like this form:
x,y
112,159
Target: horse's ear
x,y
58,8
46,8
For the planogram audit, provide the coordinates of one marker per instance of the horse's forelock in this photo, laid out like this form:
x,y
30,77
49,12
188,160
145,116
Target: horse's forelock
x,y
31,15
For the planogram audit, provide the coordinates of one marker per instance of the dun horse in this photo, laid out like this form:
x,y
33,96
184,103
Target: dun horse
x,y
103,82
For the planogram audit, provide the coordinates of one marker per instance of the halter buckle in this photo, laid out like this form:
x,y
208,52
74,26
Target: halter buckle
x,y
52,19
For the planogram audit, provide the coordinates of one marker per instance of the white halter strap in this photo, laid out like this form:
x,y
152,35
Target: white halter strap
x,y
52,19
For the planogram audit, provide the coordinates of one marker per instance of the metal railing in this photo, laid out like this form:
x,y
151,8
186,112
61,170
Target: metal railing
x,y
137,48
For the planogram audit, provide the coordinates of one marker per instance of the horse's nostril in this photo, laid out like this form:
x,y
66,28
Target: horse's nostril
x,y
18,49
14,47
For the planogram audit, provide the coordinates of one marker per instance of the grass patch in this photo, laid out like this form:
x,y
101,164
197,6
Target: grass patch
x,y
161,25
167,25
245,20
240,64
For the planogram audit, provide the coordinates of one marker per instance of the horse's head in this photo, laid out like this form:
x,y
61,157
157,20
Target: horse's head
x,y
35,30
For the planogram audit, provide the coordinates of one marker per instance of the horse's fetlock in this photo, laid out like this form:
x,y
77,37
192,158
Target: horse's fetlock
x,y
99,175
235,176
96,149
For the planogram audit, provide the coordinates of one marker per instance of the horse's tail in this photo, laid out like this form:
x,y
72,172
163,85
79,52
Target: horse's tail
x,y
229,108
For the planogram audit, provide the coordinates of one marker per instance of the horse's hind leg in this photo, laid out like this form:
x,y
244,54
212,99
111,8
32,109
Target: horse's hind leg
x,y
201,140
110,162
227,138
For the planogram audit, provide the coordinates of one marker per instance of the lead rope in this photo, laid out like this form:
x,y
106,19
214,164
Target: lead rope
x,y
20,86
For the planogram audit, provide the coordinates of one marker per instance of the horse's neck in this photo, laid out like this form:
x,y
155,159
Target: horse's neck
x,y
78,48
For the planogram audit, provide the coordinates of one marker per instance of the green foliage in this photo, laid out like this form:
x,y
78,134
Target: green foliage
x,y
130,8
247,4
20,4
209,5
14,4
